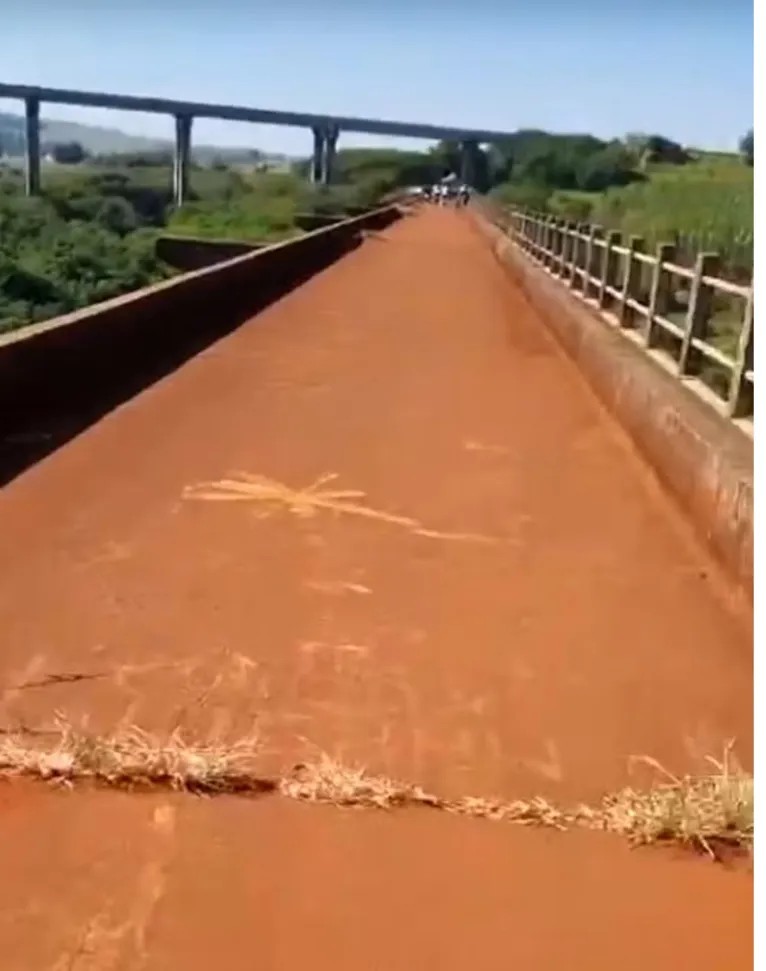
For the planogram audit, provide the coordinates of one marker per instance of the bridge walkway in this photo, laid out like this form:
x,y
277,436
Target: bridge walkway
x,y
504,604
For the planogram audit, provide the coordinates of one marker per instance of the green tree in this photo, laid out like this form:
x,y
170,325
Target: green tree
x,y
68,153
663,150
747,148
117,215
524,195
611,166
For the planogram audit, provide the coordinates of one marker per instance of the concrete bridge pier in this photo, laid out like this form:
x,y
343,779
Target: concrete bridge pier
x,y
32,153
467,151
317,159
181,158
328,156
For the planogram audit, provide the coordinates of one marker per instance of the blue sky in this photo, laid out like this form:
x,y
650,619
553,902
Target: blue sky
x,y
681,68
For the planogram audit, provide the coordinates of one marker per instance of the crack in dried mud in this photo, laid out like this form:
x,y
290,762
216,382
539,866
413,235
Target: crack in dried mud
x,y
712,813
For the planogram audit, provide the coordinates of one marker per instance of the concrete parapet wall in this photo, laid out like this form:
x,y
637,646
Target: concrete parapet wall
x,y
704,461
194,253
309,221
59,376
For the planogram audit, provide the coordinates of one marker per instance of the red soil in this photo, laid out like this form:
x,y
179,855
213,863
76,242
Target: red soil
x,y
185,884
593,629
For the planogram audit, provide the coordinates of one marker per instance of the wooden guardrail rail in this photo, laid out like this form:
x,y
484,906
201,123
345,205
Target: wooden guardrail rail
x,y
700,325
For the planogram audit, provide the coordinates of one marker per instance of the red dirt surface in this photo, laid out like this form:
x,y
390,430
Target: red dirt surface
x,y
591,630
107,881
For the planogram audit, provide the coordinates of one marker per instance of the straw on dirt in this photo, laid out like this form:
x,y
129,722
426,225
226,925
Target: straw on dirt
x,y
709,812
272,495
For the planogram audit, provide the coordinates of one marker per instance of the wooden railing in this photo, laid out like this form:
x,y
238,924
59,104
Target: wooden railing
x,y
697,324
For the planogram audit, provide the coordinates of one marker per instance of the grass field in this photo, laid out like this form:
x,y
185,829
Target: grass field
x,y
704,206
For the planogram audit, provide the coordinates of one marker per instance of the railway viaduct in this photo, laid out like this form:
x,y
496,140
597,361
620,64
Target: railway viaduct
x,y
325,129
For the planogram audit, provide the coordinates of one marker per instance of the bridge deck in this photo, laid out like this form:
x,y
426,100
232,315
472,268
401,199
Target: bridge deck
x,y
525,614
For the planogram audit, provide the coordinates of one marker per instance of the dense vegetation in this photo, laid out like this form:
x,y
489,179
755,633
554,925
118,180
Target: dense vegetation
x,y
648,187
68,250
92,234
707,206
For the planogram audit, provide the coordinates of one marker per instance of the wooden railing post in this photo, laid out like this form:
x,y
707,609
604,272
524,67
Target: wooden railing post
x,y
588,268
574,252
698,311
739,402
544,240
574,261
566,245
582,256
613,238
558,247
595,262
660,292
550,242
631,280
613,268
530,234
554,242
531,229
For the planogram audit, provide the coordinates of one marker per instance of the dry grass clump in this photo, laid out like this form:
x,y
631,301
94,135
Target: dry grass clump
x,y
710,812
332,783
130,759
713,811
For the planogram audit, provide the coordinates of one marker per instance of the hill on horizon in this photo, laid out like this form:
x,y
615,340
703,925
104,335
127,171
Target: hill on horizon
x,y
98,140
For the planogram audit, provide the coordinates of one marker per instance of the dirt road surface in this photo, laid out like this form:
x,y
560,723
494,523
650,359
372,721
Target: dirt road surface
x,y
507,605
